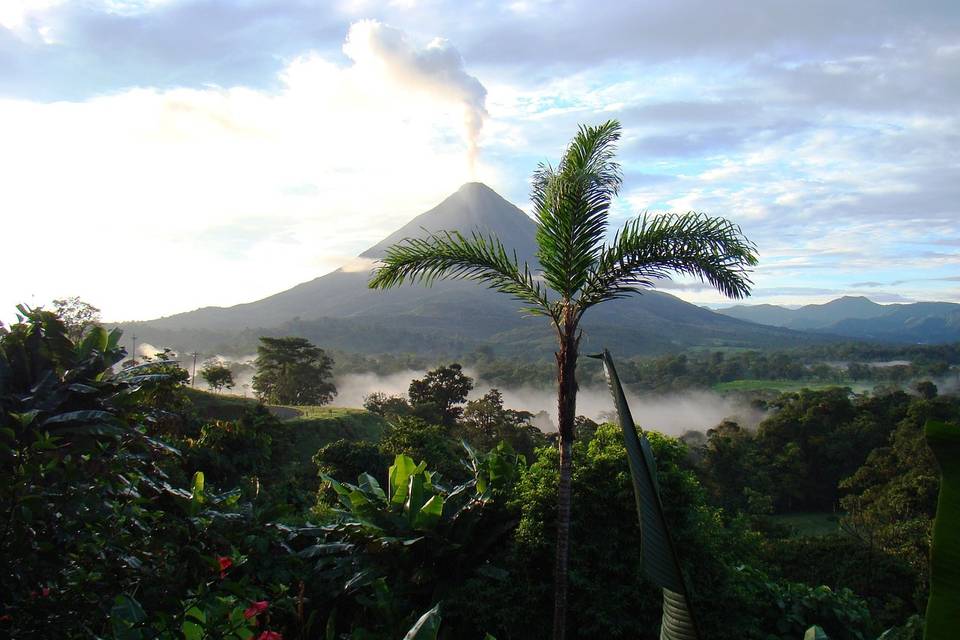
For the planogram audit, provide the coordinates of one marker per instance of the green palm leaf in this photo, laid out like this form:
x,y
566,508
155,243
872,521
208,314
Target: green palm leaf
x,y
653,247
658,554
451,255
571,203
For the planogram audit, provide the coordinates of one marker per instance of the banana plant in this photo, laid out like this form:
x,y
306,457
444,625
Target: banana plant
x,y
943,605
658,553
395,548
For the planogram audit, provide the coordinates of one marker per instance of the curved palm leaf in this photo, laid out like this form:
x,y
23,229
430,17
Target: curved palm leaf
x,y
571,204
449,254
652,247
657,551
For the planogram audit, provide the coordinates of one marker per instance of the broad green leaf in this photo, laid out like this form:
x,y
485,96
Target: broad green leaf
x,y
426,627
128,610
658,555
125,615
501,464
429,514
482,484
113,339
26,418
193,623
93,429
369,484
161,446
416,497
191,630
403,467
198,496
81,416
815,633
96,339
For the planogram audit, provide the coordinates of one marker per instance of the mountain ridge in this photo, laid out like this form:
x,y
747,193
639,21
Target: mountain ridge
x,y
463,310
861,318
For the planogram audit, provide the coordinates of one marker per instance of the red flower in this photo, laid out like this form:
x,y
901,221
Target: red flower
x,y
256,609
45,592
6,618
269,635
225,563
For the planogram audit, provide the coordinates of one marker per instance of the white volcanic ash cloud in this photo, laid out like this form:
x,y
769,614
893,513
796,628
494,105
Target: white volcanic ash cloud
x,y
436,69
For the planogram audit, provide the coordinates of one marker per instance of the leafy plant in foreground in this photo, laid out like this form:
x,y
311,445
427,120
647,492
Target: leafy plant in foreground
x,y
660,561
400,549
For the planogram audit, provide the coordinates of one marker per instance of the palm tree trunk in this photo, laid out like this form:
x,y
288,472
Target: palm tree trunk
x,y
566,410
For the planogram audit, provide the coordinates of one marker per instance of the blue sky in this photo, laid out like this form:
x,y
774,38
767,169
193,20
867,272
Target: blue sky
x,y
212,152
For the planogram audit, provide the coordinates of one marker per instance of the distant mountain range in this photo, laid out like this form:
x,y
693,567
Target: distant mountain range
x,y
338,311
860,318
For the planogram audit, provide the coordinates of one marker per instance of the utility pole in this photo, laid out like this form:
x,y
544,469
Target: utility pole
x,y
133,353
193,378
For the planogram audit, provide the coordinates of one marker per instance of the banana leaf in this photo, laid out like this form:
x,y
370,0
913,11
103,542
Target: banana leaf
x,y
426,627
658,554
943,605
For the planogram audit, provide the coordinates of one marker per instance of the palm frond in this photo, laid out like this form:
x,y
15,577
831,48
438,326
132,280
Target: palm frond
x,y
654,247
449,255
571,203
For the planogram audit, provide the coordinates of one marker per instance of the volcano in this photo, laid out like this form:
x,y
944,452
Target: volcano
x,y
337,310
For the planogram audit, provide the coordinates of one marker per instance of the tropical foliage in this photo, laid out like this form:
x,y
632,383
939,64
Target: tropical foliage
x,y
135,507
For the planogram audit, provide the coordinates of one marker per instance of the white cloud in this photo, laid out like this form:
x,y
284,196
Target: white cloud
x,y
222,195
14,14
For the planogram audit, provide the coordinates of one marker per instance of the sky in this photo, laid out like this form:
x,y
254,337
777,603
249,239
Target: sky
x,y
161,155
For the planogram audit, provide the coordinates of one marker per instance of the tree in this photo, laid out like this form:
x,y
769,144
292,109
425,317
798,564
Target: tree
x,y
926,389
486,422
577,271
217,376
293,371
386,406
440,391
76,315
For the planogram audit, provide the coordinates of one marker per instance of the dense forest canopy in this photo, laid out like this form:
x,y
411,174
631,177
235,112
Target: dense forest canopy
x,y
138,507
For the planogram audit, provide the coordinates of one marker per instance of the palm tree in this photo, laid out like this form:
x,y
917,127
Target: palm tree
x,y
578,270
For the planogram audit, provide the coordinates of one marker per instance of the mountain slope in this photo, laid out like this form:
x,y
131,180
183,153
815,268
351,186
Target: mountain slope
x,y
863,319
344,293
454,315
811,316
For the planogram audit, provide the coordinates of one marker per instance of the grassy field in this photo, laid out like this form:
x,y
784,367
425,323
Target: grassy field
x,y
810,524
318,426
306,428
218,406
782,386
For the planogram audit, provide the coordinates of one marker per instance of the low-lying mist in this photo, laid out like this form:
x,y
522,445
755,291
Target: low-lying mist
x,y
671,414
